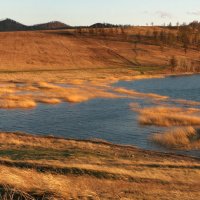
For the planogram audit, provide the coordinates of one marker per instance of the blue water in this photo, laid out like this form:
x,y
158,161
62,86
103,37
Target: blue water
x,y
178,87
107,119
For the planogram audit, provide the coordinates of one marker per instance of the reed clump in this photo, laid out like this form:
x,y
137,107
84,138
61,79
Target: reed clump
x,y
13,104
136,94
169,116
6,90
48,100
78,94
179,138
45,85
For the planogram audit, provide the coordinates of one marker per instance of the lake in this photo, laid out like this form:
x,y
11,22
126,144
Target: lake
x,y
107,119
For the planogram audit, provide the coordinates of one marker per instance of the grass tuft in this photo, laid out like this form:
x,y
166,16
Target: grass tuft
x,y
179,138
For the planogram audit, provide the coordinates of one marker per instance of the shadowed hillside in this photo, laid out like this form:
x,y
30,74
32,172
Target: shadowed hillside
x,y
103,25
11,25
50,26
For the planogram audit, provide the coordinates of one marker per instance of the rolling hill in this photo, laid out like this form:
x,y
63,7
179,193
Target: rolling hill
x,y
12,25
103,25
50,26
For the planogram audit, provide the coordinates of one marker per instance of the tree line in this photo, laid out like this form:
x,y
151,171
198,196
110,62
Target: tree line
x,y
180,36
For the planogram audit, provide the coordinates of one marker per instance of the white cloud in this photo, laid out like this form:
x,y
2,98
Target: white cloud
x,y
161,14
195,12
164,14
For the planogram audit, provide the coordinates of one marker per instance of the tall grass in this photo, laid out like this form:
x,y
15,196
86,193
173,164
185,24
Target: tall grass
x,y
20,103
90,170
136,94
169,116
179,138
48,100
27,95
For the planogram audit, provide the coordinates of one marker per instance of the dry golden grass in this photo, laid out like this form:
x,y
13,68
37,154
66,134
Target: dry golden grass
x,y
77,94
25,180
45,85
168,109
47,142
135,94
48,101
179,138
168,116
25,94
13,101
76,91
6,90
61,50
187,102
55,168
13,104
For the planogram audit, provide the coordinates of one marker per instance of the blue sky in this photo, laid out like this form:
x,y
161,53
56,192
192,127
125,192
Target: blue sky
x,y
86,12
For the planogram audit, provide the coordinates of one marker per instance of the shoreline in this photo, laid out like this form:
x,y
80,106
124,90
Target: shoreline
x,y
102,142
159,75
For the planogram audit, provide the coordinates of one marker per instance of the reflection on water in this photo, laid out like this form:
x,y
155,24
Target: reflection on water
x,y
108,119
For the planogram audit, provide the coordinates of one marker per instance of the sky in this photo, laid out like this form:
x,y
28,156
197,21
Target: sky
x,y
87,12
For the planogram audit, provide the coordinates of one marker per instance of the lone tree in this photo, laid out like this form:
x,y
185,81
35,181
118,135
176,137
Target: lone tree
x,y
173,63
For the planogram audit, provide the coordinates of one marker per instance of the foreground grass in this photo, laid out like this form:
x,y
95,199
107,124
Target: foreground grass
x,y
33,167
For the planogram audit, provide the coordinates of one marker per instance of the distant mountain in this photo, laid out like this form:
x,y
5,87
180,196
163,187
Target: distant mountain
x,y
50,26
11,25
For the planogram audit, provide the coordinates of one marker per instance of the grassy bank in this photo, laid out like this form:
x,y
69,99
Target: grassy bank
x,y
34,167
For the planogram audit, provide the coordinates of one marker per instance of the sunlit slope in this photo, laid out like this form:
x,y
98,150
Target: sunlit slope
x,y
50,50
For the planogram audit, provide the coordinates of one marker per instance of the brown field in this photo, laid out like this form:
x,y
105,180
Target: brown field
x,y
33,167
60,51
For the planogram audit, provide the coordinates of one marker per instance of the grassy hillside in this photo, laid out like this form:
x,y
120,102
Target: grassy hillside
x,y
87,49
33,167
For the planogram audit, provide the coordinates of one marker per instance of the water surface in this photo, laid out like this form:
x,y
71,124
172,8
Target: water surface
x,y
107,119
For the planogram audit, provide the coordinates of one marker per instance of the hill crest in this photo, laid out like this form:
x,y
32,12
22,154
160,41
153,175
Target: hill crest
x,y
12,25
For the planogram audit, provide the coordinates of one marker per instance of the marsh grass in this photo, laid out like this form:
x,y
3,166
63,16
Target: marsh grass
x,y
78,94
20,103
179,138
186,102
46,85
136,94
27,94
5,90
168,116
48,100
54,91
